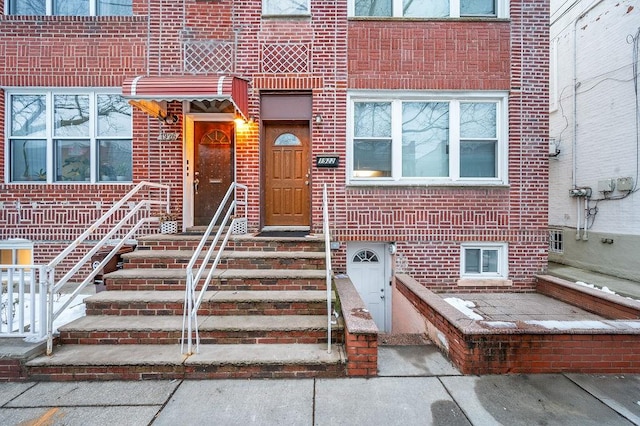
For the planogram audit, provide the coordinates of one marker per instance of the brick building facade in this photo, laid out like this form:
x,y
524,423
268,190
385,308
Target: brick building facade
x,y
439,124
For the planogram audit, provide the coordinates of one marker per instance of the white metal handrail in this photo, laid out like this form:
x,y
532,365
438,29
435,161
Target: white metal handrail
x,y
136,210
125,228
327,252
191,303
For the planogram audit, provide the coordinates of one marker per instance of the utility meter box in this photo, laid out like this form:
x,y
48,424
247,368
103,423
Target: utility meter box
x,y
625,184
606,185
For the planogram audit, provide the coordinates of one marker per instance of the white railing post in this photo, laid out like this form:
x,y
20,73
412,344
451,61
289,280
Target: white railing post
x,y
192,303
50,272
327,252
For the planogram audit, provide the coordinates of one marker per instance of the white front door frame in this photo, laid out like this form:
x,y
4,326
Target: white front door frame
x,y
188,146
371,275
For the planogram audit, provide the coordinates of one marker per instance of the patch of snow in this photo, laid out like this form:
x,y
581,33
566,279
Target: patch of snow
x,y
629,324
569,325
604,289
501,324
75,310
464,306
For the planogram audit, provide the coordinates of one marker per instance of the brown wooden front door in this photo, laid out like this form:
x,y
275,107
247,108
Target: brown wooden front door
x,y
213,168
287,174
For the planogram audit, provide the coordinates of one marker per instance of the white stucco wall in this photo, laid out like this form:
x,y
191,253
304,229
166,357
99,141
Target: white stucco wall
x,y
595,49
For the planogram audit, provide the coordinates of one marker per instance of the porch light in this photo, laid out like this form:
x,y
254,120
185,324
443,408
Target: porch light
x,y
239,120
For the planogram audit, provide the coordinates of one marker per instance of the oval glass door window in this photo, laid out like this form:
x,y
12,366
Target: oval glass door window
x,y
287,139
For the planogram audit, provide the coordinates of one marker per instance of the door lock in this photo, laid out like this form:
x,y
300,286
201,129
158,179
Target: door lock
x,y
196,182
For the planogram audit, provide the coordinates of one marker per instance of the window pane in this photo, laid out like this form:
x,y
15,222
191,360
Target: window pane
x,y
114,116
115,8
287,139
477,7
425,139
477,159
478,120
372,7
72,160
115,160
6,257
372,158
71,8
472,261
28,115
425,8
285,7
71,115
27,7
490,261
372,119
23,256
28,160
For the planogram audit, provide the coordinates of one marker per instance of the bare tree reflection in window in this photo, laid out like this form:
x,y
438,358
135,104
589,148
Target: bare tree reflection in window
x,y
425,139
286,7
71,8
27,7
372,7
425,8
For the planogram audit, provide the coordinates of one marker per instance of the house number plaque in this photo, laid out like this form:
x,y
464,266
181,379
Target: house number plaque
x,y
327,161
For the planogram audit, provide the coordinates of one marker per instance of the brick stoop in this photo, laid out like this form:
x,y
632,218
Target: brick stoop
x,y
264,316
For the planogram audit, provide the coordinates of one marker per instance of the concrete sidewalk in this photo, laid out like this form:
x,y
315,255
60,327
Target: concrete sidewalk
x,y
417,386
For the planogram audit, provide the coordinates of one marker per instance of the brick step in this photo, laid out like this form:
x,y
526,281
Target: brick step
x,y
159,303
139,362
225,279
179,259
164,330
313,242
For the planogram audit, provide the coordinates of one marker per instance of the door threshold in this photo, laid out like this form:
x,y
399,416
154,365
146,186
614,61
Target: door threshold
x,y
285,228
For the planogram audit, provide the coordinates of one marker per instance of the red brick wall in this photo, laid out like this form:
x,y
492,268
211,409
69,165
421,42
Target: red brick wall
x,y
428,224
431,55
531,350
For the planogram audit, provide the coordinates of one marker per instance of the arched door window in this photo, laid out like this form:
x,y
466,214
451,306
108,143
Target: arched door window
x,y
365,256
287,139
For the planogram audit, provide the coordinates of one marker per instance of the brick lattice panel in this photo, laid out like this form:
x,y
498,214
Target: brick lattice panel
x,y
208,56
286,58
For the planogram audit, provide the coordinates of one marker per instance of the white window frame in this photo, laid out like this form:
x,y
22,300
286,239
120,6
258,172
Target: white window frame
x,y
264,10
50,136
455,99
503,260
15,244
502,10
93,8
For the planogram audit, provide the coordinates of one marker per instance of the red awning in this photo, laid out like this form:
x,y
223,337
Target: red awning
x,y
142,89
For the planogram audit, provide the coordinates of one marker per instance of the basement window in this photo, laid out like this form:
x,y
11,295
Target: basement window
x,y
483,260
555,241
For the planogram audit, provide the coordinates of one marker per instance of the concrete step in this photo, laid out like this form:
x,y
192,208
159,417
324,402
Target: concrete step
x,y
159,303
138,362
225,279
248,329
179,259
248,242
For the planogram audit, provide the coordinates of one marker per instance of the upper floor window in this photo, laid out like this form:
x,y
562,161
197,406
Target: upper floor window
x,y
421,139
68,136
285,7
71,7
425,8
